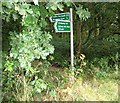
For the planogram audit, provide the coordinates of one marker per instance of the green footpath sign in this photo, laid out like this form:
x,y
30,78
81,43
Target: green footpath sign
x,y
60,16
62,26
63,22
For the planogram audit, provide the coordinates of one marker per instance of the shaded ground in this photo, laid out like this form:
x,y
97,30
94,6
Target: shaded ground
x,y
80,89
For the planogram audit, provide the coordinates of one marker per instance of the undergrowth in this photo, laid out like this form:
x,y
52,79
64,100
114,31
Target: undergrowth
x,y
80,88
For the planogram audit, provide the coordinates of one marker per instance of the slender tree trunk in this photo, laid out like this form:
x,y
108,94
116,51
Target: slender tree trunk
x,y
78,31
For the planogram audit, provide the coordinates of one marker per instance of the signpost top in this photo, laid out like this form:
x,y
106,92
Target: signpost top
x,y
60,16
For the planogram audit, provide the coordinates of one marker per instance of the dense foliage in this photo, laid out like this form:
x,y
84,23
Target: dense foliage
x,y
26,45
30,47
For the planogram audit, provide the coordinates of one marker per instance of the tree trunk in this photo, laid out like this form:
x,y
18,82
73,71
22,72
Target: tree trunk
x,y
78,32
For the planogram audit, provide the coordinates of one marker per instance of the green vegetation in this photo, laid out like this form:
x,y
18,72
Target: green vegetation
x,y
36,60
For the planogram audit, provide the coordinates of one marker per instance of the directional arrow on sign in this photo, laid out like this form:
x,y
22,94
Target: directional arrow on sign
x,y
61,26
60,16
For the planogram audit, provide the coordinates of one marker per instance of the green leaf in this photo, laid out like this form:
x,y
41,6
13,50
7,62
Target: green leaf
x,y
30,11
15,17
9,66
31,69
22,12
54,7
53,93
43,86
60,6
68,2
38,90
84,14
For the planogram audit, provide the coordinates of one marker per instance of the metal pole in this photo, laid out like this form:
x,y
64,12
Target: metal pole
x,y
71,37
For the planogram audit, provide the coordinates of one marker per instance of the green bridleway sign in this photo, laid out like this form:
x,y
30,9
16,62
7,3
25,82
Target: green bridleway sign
x,y
64,23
